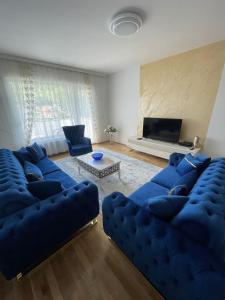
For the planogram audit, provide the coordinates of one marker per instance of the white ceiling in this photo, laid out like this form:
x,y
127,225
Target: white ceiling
x,y
75,33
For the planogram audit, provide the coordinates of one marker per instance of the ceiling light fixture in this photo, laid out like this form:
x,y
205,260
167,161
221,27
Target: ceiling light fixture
x,y
125,24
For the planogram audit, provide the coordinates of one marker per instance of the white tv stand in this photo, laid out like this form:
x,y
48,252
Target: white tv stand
x,y
158,148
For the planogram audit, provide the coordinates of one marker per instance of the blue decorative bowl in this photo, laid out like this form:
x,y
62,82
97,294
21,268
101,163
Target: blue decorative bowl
x,y
97,155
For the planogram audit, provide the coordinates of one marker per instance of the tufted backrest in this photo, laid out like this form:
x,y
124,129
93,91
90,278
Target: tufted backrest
x,y
203,216
13,191
11,171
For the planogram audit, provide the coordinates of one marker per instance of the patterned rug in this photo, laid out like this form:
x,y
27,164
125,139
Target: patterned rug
x,y
134,173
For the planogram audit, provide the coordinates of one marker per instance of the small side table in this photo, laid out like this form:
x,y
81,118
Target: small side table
x,y
110,137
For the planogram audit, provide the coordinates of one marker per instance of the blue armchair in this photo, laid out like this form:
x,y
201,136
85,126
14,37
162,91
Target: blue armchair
x,y
77,143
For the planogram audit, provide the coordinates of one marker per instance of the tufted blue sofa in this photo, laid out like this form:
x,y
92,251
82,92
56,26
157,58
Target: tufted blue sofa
x,y
184,257
37,228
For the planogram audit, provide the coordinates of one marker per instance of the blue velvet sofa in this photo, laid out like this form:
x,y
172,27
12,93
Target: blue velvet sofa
x,y
176,241
31,229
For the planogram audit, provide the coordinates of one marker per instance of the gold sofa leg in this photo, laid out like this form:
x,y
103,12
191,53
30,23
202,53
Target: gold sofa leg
x,y
19,276
93,222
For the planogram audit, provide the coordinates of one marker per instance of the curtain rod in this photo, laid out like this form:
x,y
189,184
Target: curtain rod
x,y
49,64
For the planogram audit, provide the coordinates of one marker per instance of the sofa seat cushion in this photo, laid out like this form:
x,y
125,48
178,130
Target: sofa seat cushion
x,y
61,176
148,190
166,207
47,166
167,177
80,149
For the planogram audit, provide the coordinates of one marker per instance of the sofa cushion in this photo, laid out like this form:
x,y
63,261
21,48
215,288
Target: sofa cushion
x,y
47,166
44,189
22,155
32,172
204,161
38,150
35,152
148,190
178,190
175,158
166,207
184,184
190,162
167,177
61,176
186,165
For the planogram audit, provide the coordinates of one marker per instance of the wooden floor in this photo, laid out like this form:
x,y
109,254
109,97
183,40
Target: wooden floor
x,y
89,267
127,151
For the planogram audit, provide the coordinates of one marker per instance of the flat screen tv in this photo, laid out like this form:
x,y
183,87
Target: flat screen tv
x,y
167,130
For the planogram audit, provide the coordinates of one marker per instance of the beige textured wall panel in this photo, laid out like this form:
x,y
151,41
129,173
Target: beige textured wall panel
x,y
183,86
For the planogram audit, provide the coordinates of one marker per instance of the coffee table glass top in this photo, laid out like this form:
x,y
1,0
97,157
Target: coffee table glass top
x,y
106,162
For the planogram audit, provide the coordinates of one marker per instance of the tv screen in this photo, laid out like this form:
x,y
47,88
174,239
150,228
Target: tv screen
x,y
167,130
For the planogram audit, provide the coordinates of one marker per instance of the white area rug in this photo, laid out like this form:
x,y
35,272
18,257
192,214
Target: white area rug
x,y
134,173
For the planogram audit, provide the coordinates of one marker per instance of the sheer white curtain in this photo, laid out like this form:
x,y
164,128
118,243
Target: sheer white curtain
x,y
45,99
12,133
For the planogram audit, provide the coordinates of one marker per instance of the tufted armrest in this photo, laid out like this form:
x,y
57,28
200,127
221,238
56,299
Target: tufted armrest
x,y
35,232
86,141
176,265
175,158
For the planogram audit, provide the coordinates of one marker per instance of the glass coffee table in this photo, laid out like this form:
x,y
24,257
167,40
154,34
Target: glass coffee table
x,y
100,168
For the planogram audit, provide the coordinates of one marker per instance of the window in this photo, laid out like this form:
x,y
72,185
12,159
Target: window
x,y
51,113
39,100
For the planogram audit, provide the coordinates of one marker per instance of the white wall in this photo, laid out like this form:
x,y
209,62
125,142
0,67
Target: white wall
x,y
102,105
123,88
6,134
215,138
10,127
